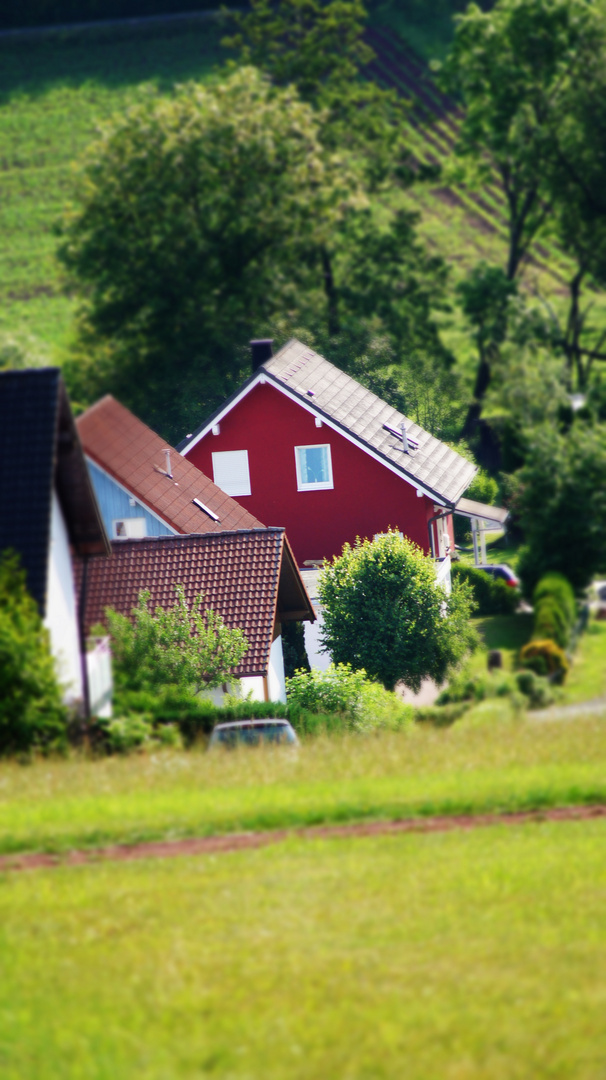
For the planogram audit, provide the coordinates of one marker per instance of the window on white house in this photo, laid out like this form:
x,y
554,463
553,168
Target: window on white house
x,y
314,467
231,473
129,528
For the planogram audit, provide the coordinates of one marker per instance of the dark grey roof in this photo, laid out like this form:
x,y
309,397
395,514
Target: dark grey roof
x,y
40,449
344,400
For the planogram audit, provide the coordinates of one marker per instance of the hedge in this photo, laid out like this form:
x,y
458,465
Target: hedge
x,y
492,595
32,13
555,610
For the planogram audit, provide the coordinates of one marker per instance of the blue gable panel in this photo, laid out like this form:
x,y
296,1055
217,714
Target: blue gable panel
x,y
115,505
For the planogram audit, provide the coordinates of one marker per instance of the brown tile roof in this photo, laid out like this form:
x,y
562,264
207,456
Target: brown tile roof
x,y
249,577
128,450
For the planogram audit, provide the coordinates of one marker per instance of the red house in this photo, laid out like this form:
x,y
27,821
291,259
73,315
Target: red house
x,y
304,446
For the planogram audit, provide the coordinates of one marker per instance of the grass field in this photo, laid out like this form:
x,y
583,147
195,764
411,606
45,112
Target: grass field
x,y
587,678
458,956
57,805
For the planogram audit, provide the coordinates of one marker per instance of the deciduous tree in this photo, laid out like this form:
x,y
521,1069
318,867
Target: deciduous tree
x,y
193,223
514,68
384,612
182,646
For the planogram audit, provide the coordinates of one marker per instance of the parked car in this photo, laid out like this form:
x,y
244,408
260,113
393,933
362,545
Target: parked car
x,y
502,572
253,733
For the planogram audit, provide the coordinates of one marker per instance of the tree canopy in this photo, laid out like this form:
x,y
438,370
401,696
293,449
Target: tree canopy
x,y
185,647
195,214
515,68
384,611
562,504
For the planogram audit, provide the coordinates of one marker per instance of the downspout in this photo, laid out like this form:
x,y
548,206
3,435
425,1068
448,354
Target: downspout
x,y
82,636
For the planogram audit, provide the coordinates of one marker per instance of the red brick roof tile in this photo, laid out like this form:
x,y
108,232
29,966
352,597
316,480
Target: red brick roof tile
x,y
241,574
128,450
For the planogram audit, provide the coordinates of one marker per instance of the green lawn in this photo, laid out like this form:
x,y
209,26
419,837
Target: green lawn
x,y
462,956
587,678
505,632
54,93
57,805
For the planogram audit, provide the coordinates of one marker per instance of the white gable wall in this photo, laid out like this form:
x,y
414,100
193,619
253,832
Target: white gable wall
x,y
61,619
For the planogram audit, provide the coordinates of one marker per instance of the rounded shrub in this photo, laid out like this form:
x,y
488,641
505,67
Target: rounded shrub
x,y
545,658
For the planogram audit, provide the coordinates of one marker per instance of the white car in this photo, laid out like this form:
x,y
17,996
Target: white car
x,y
253,733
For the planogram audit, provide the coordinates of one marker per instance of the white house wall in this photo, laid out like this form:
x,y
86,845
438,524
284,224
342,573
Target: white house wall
x,y
61,617
276,680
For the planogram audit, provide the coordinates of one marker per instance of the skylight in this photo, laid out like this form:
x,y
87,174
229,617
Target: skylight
x,y
206,509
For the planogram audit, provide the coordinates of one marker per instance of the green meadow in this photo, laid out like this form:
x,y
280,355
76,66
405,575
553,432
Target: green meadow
x,y
500,764
55,91
465,956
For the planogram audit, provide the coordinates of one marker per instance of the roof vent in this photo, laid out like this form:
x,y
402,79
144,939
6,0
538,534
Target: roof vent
x,y
261,349
408,442
166,471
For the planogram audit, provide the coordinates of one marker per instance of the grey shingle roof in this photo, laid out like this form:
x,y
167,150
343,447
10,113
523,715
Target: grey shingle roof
x,y
344,400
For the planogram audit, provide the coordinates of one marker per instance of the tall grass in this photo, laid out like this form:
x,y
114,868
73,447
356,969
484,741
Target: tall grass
x,y
488,765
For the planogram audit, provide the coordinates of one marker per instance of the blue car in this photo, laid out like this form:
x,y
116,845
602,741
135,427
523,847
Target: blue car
x,y
501,572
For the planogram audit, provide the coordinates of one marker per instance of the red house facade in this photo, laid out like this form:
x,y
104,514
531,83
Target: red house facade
x,y
304,446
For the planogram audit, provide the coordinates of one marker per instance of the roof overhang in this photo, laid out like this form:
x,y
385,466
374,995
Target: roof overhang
x,y
294,603
74,486
261,377
469,508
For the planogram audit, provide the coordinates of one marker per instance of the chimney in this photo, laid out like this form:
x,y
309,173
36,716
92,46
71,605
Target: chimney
x,y
404,437
261,350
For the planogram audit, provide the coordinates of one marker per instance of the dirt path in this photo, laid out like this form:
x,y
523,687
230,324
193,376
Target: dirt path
x,y
210,845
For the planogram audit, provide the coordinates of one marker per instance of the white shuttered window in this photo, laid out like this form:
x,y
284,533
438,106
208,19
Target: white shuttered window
x,y
230,472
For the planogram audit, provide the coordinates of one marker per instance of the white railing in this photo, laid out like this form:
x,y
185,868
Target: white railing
x,y
443,574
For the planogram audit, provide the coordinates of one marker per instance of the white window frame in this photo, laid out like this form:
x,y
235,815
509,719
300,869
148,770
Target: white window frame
x,y
131,531
322,485
236,488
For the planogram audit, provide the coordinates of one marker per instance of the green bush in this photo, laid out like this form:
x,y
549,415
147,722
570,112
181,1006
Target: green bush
x,y
32,715
469,689
441,715
555,610
193,717
545,658
492,596
361,705
550,623
561,591
536,688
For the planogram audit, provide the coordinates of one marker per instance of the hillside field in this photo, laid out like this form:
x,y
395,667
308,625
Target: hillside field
x,y
56,89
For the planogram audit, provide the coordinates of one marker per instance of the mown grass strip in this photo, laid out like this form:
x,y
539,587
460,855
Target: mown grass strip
x,y
458,955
